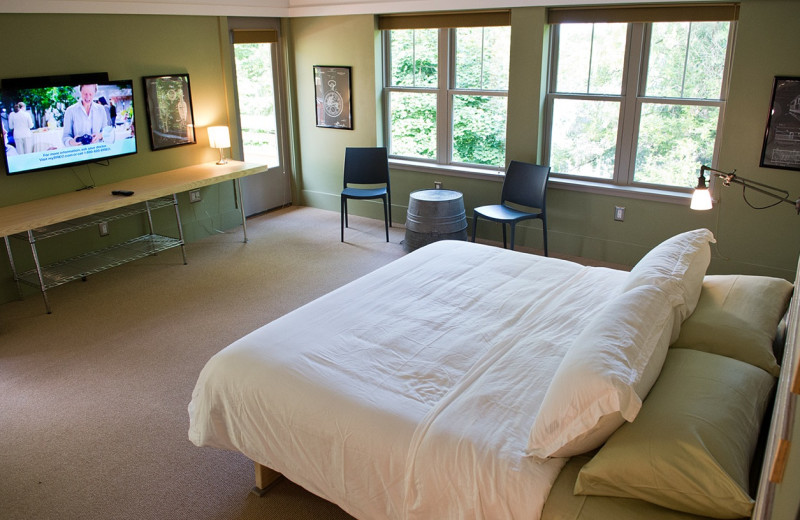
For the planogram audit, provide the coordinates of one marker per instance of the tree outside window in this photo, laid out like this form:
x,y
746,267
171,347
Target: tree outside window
x,y
455,116
637,103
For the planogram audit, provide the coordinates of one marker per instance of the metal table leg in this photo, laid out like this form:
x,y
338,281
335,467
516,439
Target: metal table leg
x,y
180,227
13,267
32,241
237,186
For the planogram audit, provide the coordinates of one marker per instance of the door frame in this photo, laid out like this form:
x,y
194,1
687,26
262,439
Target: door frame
x,y
279,78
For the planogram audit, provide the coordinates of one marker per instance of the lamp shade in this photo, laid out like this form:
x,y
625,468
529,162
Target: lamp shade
x,y
219,137
701,199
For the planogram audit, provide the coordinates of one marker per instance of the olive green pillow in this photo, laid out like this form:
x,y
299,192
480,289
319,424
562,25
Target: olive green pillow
x,y
737,316
691,445
563,504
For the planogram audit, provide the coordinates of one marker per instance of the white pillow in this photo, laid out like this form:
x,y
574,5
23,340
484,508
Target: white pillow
x,y
605,375
678,266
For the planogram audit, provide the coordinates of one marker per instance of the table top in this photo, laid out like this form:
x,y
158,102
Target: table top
x,y
436,195
67,206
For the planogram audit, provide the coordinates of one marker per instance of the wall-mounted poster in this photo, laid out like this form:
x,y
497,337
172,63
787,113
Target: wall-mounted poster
x,y
332,92
169,110
782,137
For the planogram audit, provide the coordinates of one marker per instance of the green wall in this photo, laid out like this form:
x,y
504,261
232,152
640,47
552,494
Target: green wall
x,y
580,223
127,47
338,40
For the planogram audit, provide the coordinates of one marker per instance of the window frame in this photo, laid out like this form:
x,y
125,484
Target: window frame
x,y
445,92
631,98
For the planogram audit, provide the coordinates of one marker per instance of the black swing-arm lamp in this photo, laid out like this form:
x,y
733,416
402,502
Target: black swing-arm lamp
x,y
701,199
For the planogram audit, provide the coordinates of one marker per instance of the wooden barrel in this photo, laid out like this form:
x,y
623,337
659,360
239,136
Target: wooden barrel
x,y
434,215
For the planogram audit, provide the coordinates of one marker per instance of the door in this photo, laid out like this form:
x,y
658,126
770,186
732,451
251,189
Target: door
x,y
260,112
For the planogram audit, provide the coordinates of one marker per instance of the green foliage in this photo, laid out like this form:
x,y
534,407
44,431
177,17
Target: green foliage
x,y
422,67
686,61
254,84
584,137
674,140
415,58
413,124
254,78
479,122
479,130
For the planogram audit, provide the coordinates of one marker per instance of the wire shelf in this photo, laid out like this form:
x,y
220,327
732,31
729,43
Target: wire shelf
x,y
93,262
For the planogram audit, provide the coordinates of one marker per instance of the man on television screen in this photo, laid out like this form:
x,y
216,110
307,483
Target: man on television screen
x,y
84,121
21,123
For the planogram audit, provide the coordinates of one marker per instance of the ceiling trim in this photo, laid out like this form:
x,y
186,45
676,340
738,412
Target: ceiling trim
x,y
276,8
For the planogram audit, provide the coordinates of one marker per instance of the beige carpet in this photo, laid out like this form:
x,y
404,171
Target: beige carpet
x,y
93,420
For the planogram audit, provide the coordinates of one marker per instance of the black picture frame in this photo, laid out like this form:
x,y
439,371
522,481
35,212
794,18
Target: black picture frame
x,y
332,92
781,147
170,117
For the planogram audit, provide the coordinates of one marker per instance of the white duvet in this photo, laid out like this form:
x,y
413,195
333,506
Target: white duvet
x,y
409,393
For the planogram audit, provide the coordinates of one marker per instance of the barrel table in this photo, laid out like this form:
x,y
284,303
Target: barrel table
x,y
434,215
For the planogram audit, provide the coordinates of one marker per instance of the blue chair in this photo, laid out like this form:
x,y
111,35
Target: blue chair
x,y
368,168
525,186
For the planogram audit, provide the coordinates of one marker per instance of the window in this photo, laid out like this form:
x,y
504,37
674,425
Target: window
x,y
446,93
637,103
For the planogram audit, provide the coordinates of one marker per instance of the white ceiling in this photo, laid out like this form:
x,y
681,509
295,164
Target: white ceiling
x,y
269,8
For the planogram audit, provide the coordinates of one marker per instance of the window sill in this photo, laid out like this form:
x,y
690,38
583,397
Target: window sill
x,y
559,183
630,192
447,169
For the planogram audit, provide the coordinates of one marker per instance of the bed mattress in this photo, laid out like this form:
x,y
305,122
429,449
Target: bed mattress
x,y
408,393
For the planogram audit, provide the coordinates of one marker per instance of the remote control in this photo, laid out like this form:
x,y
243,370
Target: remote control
x,y
124,193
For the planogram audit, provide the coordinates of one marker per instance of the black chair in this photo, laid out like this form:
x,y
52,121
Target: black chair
x,y
367,167
525,186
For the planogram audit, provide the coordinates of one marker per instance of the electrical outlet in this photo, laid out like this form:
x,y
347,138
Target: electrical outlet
x,y
194,196
437,185
619,213
103,228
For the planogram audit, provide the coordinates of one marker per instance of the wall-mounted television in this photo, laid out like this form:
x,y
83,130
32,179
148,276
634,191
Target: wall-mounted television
x,y
57,121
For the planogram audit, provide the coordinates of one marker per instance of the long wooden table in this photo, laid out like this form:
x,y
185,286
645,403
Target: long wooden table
x,y
75,210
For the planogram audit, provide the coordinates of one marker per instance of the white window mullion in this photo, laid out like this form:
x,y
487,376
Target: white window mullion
x,y
552,78
635,64
444,116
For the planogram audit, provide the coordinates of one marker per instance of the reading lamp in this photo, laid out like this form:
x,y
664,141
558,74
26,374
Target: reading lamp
x,y
219,137
701,198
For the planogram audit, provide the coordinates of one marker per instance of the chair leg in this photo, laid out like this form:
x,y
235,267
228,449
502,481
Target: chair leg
x,y
474,225
389,195
544,233
343,212
386,217
512,235
504,235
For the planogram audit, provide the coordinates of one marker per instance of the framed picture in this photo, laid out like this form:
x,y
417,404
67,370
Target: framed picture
x,y
169,110
782,137
332,93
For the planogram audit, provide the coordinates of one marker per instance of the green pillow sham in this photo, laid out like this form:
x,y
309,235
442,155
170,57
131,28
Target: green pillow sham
x,y
691,445
737,316
563,504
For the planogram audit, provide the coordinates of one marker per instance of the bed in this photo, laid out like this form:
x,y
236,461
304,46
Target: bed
x,y
467,381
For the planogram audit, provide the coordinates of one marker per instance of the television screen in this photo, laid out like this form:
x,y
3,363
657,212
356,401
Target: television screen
x,y
49,124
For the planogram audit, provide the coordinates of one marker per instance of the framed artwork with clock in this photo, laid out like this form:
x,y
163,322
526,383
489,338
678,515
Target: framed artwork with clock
x,y
332,96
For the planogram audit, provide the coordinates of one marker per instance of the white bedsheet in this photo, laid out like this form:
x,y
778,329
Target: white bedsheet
x,y
409,393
